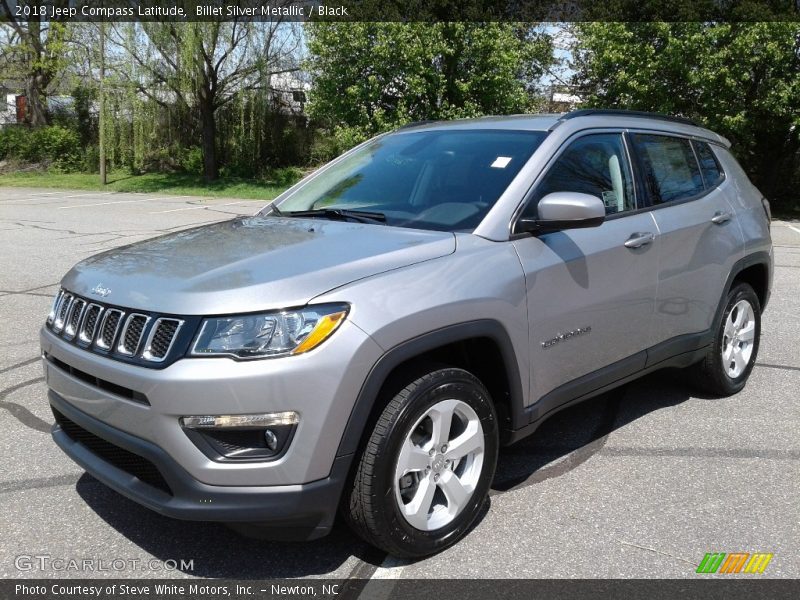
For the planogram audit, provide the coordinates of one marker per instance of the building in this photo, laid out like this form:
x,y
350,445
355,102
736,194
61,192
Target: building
x,y
12,109
289,92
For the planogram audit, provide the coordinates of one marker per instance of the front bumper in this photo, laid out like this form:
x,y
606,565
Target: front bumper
x,y
321,386
304,511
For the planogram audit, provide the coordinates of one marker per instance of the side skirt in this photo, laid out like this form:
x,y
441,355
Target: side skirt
x,y
681,351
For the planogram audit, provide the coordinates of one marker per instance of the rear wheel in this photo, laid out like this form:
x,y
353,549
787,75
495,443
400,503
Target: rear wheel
x,y
730,359
425,472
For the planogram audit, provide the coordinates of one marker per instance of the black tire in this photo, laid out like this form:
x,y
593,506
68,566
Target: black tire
x,y
372,507
710,374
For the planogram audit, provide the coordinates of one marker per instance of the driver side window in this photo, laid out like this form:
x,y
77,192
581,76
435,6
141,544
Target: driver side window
x,y
594,164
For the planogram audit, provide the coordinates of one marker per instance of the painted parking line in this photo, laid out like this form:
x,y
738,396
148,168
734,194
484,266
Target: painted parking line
x,y
157,212
795,229
37,195
116,202
88,195
52,197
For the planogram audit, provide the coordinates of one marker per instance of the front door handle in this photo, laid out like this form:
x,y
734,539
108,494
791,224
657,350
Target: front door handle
x,y
639,239
721,217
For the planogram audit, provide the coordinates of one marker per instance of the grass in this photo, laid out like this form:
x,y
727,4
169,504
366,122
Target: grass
x,y
180,184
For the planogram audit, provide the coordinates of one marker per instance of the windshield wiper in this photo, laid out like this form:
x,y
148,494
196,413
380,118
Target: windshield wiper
x,y
361,216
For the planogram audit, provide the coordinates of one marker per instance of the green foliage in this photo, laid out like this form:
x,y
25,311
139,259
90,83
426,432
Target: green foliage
x,y
85,121
91,159
373,77
14,143
740,79
323,149
160,183
192,160
55,144
285,176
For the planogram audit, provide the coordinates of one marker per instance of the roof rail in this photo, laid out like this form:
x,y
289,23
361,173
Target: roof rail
x,y
417,124
628,113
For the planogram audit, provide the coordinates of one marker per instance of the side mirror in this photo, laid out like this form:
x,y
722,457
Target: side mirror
x,y
565,210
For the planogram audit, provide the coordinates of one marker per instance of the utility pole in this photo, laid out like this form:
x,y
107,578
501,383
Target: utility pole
x,y
102,119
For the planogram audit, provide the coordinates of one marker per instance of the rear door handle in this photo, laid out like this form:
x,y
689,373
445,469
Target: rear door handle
x,y
639,239
721,217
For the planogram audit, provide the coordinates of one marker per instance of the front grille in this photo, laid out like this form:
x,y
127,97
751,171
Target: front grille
x,y
133,464
142,338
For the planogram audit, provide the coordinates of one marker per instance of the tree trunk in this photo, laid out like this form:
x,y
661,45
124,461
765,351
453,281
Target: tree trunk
x,y
209,138
36,81
35,101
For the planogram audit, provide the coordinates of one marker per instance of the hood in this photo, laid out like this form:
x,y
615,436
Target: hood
x,y
249,264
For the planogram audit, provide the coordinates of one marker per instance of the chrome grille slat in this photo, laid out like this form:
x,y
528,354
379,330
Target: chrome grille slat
x,y
162,336
108,329
114,332
52,315
91,319
74,318
131,337
62,311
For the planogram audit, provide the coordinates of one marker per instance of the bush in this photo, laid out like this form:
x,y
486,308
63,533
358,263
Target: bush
x,y
192,160
324,148
285,176
15,143
91,159
57,145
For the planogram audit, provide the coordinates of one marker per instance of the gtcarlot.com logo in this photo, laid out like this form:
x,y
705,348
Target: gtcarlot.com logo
x,y
46,562
734,562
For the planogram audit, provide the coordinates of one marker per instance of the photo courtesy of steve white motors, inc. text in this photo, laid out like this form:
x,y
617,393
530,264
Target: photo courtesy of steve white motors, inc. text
x,y
97,9
180,590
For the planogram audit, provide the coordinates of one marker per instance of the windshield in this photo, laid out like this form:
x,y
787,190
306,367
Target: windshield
x,y
445,180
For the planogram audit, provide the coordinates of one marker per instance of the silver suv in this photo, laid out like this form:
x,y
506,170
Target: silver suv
x,y
368,340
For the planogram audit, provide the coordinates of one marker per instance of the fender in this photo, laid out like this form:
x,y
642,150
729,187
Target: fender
x,y
488,328
761,257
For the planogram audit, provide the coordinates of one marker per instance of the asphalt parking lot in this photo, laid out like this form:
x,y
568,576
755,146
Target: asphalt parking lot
x,y
641,482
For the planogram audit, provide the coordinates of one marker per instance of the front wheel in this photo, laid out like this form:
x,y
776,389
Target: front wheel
x,y
731,357
425,472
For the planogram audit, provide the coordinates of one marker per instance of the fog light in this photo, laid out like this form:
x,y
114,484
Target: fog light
x,y
239,421
258,437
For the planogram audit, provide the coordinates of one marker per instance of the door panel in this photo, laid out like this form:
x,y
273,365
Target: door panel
x,y
696,257
586,285
700,235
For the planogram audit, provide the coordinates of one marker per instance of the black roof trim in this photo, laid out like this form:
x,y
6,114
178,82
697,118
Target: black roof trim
x,y
627,113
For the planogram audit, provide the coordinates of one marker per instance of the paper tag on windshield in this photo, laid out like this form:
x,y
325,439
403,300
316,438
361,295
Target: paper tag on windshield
x,y
501,162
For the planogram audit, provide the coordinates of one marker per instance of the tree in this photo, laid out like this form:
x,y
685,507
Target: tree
x,y
371,77
202,66
34,52
740,79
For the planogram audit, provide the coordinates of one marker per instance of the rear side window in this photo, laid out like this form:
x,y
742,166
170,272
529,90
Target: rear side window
x,y
669,167
712,172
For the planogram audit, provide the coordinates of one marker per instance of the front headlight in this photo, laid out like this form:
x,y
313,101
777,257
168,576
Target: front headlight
x,y
270,334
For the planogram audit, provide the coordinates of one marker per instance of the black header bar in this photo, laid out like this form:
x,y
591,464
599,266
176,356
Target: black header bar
x,y
400,10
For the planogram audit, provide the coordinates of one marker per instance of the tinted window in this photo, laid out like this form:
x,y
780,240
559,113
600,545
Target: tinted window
x,y
439,179
712,173
594,164
669,167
